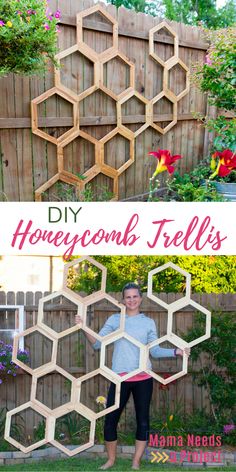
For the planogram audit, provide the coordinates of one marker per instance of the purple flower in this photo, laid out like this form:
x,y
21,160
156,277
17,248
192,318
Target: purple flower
x,y
208,60
24,352
9,372
46,26
31,12
0,381
57,14
2,24
228,428
1,366
14,375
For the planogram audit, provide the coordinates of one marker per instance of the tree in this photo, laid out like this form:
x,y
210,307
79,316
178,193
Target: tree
x,y
190,12
145,6
193,12
227,14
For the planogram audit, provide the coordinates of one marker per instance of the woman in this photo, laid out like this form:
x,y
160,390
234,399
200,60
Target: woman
x,y
126,359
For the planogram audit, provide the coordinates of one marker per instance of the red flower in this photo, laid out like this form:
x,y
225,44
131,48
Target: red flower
x,y
227,162
165,161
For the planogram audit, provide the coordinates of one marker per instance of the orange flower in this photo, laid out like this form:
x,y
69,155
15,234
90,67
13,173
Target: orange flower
x,y
165,161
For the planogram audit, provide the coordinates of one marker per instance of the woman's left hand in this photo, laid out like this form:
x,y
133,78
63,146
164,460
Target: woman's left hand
x,y
181,352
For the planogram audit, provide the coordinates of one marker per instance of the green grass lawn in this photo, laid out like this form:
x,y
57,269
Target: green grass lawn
x,y
94,464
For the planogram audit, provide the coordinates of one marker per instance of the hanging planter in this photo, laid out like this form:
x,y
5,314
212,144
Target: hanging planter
x,y
28,36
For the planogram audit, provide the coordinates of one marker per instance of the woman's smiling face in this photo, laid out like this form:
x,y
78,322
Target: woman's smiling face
x,y
132,300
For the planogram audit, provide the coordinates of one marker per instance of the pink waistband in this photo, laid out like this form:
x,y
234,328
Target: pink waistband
x,y
137,377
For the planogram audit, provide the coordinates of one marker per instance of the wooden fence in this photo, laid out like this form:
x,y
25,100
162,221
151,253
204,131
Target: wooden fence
x,y
77,357
27,161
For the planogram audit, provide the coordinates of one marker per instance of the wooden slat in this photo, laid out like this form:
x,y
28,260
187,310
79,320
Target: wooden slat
x,y
137,34
17,123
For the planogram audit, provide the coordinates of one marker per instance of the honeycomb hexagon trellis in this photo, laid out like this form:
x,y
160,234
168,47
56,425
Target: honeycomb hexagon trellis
x,y
99,62
75,403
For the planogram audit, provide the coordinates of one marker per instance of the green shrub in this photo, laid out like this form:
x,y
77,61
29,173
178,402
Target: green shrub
x,y
28,36
218,371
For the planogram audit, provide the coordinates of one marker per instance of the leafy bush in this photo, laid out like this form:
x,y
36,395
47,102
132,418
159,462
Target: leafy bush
x,y
217,76
28,36
69,193
191,187
218,368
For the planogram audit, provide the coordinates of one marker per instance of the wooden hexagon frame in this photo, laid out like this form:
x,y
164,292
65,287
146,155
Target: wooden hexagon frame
x,y
99,60
117,394
43,332
97,298
61,293
166,88
158,300
131,66
33,394
17,410
132,340
97,264
57,76
155,29
122,101
181,304
74,403
127,134
65,411
67,95
62,176
169,96
84,47
178,343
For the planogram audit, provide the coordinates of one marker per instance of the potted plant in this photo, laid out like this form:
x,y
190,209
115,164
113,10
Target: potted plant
x,y
223,165
28,36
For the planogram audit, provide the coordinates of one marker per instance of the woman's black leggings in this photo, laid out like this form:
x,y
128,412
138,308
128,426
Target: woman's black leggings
x,y
142,394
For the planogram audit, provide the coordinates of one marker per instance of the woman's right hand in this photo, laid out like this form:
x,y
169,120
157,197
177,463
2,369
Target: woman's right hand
x,y
78,319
